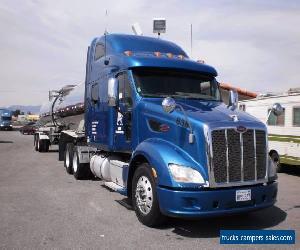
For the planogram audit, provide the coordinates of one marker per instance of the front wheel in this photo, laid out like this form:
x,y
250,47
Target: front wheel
x,y
144,197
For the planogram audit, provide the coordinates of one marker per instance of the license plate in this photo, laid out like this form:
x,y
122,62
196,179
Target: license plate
x,y
243,195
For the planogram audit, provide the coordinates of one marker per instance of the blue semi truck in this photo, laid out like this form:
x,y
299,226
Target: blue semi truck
x,y
151,123
5,119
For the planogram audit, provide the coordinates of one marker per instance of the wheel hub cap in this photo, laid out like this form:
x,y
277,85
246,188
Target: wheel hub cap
x,y
144,195
75,163
67,159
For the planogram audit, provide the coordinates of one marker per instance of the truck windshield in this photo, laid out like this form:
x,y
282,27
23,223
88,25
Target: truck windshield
x,y
177,84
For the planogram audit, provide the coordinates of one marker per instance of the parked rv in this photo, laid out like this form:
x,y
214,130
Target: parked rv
x,y
5,119
150,123
284,130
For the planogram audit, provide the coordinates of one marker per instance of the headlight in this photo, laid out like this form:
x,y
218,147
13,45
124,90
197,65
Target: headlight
x,y
185,174
272,175
1,125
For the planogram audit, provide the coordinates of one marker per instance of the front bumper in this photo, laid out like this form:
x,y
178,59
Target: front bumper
x,y
215,202
6,127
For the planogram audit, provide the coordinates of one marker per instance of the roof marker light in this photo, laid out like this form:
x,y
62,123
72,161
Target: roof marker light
x,y
157,53
181,57
200,61
169,55
128,53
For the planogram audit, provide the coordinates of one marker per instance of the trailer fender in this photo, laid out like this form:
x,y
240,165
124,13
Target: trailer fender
x,y
43,137
159,153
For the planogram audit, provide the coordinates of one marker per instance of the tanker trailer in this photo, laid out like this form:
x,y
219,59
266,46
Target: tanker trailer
x,y
64,110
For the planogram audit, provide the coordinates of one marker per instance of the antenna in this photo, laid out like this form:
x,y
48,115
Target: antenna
x,y
106,21
106,62
191,41
136,28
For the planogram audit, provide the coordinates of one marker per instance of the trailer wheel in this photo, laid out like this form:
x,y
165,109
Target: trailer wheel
x,y
39,145
80,170
43,145
36,142
68,159
276,159
47,145
144,197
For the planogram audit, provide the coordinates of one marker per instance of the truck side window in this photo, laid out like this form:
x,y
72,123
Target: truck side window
x,y
125,95
99,51
95,93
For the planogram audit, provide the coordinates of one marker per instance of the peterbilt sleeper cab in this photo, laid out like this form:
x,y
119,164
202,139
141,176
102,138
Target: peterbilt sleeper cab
x,y
156,130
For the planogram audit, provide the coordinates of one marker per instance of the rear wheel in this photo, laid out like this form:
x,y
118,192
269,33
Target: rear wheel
x,y
144,197
80,170
276,159
68,159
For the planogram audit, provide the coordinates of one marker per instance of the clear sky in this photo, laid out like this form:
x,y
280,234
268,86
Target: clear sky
x,y
253,44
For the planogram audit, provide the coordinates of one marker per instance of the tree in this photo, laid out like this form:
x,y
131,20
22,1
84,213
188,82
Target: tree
x,y
17,112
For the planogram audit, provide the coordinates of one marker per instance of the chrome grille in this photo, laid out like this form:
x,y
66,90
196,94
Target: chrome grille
x,y
238,157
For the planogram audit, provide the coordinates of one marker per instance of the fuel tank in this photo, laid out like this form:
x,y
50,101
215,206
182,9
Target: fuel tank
x,y
65,108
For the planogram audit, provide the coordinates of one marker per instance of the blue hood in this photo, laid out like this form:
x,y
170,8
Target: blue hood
x,y
201,114
208,112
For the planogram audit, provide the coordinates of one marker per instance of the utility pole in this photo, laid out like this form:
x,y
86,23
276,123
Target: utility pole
x,y
191,41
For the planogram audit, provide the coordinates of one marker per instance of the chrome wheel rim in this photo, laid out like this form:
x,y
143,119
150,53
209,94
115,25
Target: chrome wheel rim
x,y
75,166
144,195
67,159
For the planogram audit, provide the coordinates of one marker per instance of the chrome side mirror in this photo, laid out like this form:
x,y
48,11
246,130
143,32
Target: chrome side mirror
x,y
233,99
112,92
277,109
168,104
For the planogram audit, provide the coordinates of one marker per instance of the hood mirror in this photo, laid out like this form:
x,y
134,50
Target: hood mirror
x,y
168,104
277,109
112,92
233,99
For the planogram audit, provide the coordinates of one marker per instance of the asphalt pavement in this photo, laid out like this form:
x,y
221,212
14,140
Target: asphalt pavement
x,y
41,206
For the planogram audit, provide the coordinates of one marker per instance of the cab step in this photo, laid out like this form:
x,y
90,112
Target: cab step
x,y
115,187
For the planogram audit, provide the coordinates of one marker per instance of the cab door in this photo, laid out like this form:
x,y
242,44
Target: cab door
x,y
123,131
96,117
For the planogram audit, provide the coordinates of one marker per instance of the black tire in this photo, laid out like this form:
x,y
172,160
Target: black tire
x,y
61,149
36,137
43,145
46,146
276,159
68,159
148,215
80,170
